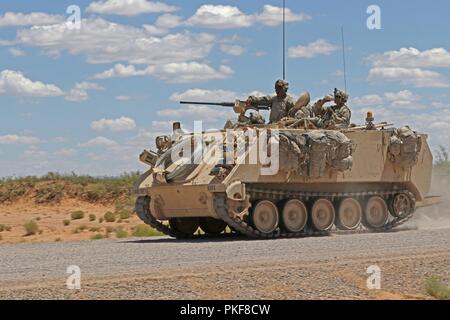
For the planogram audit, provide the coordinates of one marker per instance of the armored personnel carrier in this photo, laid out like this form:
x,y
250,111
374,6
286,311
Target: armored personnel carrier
x,y
285,179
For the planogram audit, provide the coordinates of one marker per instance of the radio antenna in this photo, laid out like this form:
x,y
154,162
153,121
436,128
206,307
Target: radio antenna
x,y
343,58
284,39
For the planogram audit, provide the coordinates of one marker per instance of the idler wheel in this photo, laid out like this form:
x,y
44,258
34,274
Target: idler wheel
x,y
376,214
323,215
294,215
265,216
212,226
401,205
186,226
349,214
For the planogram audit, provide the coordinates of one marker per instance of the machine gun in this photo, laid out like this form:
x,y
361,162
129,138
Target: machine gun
x,y
240,107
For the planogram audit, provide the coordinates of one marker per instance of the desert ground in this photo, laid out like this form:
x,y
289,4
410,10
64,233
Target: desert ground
x,y
120,259
331,267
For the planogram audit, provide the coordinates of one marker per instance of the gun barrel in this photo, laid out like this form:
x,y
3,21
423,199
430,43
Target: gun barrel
x,y
222,104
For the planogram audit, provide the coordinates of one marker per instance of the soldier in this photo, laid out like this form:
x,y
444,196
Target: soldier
x,y
336,116
279,105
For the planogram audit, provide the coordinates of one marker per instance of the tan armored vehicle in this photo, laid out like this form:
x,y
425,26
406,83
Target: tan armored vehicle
x,y
285,179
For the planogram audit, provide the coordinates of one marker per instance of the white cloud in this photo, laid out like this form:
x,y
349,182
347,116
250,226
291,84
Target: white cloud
x,y
401,97
367,100
161,126
122,98
99,142
17,52
16,139
129,7
172,72
392,100
233,50
414,76
440,125
163,24
273,16
204,95
59,139
119,71
220,17
197,113
188,72
16,84
13,19
404,95
318,47
412,58
66,152
34,152
80,91
117,125
227,17
106,42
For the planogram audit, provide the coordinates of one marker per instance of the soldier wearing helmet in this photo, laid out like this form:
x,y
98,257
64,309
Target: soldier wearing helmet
x,y
335,116
279,105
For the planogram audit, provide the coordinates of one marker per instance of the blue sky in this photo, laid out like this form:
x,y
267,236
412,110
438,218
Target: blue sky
x,y
90,100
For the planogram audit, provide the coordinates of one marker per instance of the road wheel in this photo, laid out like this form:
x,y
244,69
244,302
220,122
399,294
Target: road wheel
x,y
187,226
212,226
265,216
376,214
294,215
322,215
349,214
401,205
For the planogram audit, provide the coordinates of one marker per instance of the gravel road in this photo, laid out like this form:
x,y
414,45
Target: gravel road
x,y
163,268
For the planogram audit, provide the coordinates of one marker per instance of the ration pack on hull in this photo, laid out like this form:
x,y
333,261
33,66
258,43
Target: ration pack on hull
x,y
367,178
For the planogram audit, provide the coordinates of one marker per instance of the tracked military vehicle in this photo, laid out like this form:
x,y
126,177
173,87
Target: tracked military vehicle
x,y
301,180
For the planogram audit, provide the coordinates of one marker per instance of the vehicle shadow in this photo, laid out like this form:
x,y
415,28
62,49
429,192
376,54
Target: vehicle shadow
x,y
235,237
196,239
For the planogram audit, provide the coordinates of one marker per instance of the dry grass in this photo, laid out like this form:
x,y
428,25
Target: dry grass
x,y
437,289
53,187
31,228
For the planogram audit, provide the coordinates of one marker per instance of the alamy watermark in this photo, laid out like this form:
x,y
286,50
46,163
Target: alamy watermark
x,y
73,22
73,281
374,19
230,147
374,279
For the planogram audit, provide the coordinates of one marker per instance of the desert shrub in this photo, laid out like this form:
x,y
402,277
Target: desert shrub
x,y
109,229
110,216
94,229
124,215
31,228
97,236
144,230
92,217
437,289
4,228
94,192
76,215
66,222
101,220
121,233
47,193
57,239
80,229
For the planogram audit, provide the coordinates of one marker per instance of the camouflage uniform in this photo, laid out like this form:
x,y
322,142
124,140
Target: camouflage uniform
x,y
279,106
334,116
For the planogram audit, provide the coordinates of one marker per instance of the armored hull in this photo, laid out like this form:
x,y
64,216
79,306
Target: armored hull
x,y
309,182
